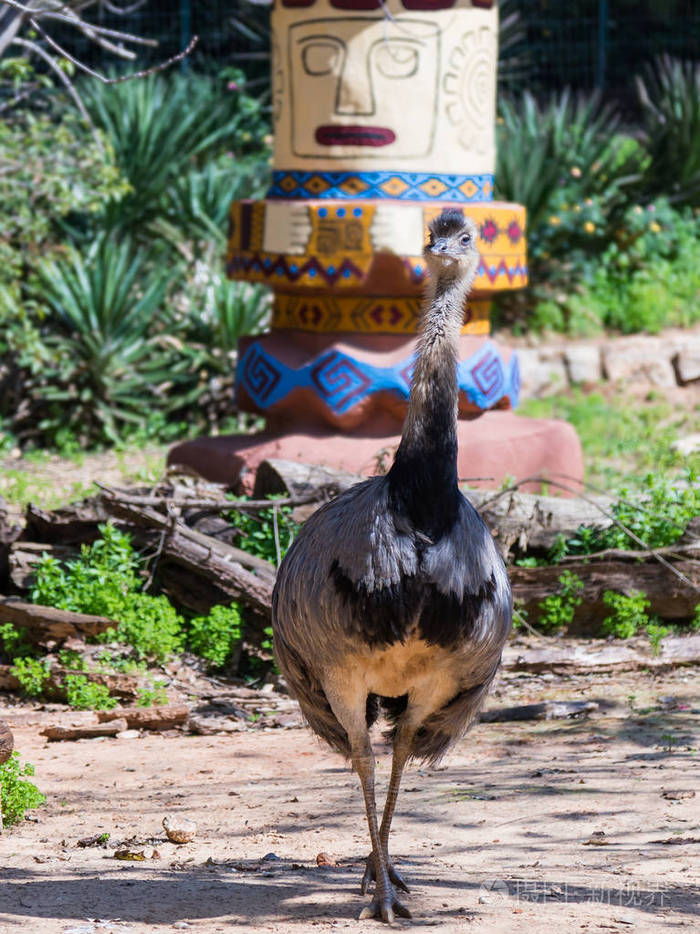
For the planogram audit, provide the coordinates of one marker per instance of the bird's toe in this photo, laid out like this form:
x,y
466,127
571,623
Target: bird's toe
x,y
370,875
385,907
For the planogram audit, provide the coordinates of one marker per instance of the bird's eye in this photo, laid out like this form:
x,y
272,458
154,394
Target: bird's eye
x,y
466,240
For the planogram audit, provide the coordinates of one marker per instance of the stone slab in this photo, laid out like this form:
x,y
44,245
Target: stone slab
x,y
492,448
583,363
639,360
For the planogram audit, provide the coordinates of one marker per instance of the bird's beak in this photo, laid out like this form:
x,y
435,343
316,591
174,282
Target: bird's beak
x,y
440,246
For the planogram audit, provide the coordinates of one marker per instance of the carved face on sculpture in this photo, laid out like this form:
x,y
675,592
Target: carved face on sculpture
x,y
404,85
348,74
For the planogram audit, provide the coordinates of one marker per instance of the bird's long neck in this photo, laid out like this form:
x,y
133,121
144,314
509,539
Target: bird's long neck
x,y
423,477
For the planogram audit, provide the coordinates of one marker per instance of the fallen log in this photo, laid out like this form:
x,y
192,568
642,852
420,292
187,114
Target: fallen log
x,y
24,557
522,519
46,624
117,683
601,656
70,525
163,717
532,522
669,596
85,730
206,557
310,481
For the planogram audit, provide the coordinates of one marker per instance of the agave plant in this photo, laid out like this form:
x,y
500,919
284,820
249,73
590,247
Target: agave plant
x,y
198,201
669,93
568,141
97,313
162,127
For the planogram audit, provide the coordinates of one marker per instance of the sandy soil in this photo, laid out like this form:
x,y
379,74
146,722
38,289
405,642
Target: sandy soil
x,y
495,840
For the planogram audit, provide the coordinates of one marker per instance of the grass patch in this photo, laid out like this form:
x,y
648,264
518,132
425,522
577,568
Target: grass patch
x,y
622,436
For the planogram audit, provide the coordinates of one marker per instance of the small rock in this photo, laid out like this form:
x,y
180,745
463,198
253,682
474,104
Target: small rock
x,y
687,363
687,445
132,854
128,734
270,858
583,363
324,859
179,829
597,838
677,795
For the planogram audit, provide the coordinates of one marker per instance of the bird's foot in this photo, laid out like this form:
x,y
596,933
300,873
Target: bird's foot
x,y
370,875
385,906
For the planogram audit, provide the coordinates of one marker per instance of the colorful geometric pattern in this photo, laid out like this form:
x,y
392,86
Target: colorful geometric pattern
x,y
399,186
324,314
342,382
338,254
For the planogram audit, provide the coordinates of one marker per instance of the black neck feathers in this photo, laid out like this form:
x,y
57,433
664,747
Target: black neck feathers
x,y
423,477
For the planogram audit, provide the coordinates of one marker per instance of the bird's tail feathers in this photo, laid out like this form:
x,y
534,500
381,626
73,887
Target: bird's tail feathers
x,y
450,723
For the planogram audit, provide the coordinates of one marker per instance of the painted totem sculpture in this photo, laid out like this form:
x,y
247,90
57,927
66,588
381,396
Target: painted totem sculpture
x,y
384,114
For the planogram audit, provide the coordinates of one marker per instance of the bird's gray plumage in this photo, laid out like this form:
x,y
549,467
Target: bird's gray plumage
x,y
381,581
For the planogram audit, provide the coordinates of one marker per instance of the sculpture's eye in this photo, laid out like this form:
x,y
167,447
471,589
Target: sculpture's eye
x,y
466,240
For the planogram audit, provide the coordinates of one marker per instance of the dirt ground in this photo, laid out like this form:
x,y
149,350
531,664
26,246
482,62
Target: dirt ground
x,y
560,825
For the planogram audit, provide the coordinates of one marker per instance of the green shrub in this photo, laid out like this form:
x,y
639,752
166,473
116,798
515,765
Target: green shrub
x,y
656,633
17,794
82,694
216,637
557,610
628,613
155,695
657,514
95,582
32,675
13,641
256,531
52,166
150,625
70,658
103,581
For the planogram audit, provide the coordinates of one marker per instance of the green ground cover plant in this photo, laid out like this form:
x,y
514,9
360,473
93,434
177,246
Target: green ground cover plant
x,y
628,613
17,793
623,438
557,610
266,533
82,694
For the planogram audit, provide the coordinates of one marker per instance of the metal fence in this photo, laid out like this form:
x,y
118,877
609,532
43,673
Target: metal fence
x,y
583,44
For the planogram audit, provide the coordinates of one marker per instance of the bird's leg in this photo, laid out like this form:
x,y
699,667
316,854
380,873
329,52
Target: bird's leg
x,y
402,750
349,703
385,904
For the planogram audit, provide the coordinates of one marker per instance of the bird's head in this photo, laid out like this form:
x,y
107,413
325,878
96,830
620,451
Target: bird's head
x,y
451,250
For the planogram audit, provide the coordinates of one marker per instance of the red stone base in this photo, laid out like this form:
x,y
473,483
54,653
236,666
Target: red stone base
x,y
492,447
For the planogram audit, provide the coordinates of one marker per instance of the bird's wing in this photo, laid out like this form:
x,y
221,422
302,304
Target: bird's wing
x,y
470,595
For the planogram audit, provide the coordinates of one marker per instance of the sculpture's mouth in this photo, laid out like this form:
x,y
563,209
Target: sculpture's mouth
x,y
337,135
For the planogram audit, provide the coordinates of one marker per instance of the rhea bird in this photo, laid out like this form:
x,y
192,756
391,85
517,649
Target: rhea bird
x,y
393,597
